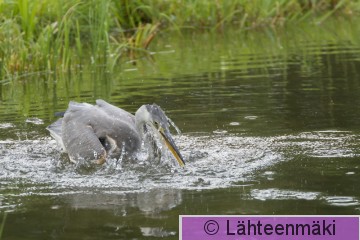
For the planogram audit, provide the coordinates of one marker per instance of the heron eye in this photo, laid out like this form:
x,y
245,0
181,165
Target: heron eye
x,y
156,124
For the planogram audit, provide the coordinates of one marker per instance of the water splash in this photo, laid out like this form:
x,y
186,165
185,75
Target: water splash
x,y
342,201
278,194
36,121
174,125
6,125
213,161
218,161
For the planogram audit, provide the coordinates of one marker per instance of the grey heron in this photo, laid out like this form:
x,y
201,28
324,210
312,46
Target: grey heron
x,y
101,131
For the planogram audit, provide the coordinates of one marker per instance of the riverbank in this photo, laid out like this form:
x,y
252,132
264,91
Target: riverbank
x,y
62,36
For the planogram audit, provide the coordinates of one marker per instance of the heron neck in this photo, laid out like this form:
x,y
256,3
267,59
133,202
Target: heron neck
x,y
141,117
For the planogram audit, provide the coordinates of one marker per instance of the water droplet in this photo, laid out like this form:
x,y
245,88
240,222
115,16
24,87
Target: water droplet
x,y
173,124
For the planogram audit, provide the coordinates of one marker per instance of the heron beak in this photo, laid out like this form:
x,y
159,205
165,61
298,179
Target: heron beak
x,y
172,147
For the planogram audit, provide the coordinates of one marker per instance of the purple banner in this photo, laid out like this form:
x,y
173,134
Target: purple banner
x,y
269,227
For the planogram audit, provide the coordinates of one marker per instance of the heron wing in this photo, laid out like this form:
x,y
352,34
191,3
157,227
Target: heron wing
x,y
111,129
115,112
118,125
89,130
56,133
78,135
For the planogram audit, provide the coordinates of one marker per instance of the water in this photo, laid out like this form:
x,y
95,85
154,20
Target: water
x,y
269,125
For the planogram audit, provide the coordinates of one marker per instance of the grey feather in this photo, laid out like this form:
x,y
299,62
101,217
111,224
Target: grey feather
x,y
99,131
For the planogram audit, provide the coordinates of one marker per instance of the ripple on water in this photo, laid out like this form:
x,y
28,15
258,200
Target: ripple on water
x,y
341,201
156,232
34,120
218,161
320,144
6,125
279,194
212,161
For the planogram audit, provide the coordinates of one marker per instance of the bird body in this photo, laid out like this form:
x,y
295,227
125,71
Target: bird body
x,y
101,131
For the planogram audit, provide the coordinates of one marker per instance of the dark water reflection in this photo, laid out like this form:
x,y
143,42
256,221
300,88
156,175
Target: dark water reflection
x,y
266,130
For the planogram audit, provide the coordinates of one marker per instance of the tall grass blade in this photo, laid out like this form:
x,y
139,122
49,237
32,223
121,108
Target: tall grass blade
x,y
2,225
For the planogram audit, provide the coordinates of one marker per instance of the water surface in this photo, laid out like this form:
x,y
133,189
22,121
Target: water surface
x,y
269,125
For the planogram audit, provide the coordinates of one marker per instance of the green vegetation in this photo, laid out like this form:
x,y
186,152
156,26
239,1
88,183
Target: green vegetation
x,y
44,36
251,54
2,225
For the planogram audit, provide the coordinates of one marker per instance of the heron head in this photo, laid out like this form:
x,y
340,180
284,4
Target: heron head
x,y
151,115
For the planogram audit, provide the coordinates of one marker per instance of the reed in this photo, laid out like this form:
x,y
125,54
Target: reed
x,y
64,35
251,55
2,225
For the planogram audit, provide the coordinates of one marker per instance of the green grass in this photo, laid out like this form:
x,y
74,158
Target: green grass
x,y
2,225
208,54
64,35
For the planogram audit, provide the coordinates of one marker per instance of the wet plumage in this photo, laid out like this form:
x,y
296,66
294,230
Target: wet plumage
x,y
101,131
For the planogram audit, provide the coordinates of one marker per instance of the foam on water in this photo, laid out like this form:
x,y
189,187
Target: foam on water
x,y
212,162
30,167
342,201
6,125
278,194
